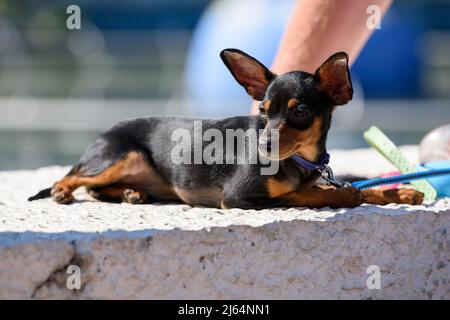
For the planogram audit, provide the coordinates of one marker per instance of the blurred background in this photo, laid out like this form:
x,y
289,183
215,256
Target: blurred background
x,y
59,88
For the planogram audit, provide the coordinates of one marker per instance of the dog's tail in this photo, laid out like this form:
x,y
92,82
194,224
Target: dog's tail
x,y
46,193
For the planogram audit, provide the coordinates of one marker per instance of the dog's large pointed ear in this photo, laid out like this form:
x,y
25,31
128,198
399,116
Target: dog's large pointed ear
x,y
249,72
334,79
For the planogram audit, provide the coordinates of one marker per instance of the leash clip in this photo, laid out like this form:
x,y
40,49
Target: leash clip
x,y
328,176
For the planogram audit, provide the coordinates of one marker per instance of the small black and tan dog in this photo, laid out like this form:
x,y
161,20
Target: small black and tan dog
x,y
132,161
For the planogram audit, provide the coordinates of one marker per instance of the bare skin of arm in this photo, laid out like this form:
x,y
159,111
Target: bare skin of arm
x,y
319,28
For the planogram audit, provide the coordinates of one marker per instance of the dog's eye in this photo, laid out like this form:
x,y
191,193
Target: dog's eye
x,y
301,110
262,110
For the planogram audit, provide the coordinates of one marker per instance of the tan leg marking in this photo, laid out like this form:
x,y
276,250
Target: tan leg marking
x,y
276,188
111,192
133,197
62,190
318,198
403,195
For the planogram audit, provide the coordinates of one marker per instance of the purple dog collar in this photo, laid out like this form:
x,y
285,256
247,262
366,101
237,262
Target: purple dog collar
x,y
319,165
322,167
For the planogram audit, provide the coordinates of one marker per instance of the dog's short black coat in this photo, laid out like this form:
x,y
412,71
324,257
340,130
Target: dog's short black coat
x,y
132,161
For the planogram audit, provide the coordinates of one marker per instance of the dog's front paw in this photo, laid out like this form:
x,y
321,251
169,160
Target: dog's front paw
x,y
61,195
410,196
348,197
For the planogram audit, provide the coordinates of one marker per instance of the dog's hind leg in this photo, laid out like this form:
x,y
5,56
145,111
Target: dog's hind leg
x,y
129,165
118,193
112,193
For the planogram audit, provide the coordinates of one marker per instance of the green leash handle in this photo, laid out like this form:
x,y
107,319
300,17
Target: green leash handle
x,y
377,139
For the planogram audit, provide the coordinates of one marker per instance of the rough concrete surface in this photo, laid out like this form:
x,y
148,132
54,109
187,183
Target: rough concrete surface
x,y
177,251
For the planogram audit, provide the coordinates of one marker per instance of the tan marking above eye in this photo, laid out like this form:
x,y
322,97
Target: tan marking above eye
x,y
292,103
266,104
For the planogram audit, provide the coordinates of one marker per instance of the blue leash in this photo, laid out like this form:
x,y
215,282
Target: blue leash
x,y
364,184
328,176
